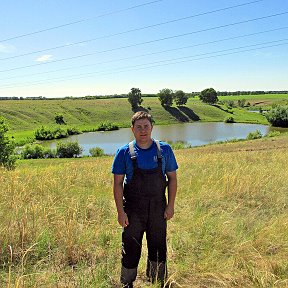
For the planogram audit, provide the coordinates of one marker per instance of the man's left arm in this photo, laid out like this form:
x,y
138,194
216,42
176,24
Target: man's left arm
x,y
172,189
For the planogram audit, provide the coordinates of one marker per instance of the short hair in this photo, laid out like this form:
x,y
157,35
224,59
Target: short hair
x,y
141,115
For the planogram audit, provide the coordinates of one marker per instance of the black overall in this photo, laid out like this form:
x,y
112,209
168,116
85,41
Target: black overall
x,y
144,204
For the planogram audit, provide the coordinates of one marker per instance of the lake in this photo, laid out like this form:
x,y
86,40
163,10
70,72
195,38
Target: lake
x,y
194,134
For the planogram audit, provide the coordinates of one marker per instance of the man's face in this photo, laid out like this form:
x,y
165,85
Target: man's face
x,y
142,130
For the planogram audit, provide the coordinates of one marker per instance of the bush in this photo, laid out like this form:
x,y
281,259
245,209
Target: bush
x,y
7,148
241,103
68,149
254,135
230,104
96,152
278,116
49,133
73,131
107,126
36,151
59,119
229,119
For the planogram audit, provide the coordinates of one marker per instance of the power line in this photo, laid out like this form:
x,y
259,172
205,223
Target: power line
x,y
153,53
162,62
133,30
81,20
148,42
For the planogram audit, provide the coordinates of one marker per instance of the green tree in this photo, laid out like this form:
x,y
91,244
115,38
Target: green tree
x,y
278,116
209,96
165,97
180,98
135,97
7,147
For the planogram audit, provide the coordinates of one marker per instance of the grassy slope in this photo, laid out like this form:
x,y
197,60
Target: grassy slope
x,y
260,100
25,116
229,230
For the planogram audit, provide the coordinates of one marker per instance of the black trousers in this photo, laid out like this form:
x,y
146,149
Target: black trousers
x,y
150,219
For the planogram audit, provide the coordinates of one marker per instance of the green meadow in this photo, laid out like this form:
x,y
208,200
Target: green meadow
x,y
25,116
59,229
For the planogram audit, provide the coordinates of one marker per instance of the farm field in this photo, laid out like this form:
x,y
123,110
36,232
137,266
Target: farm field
x,y
265,100
58,221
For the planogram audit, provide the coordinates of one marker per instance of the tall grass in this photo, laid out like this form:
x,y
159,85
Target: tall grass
x,y
58,223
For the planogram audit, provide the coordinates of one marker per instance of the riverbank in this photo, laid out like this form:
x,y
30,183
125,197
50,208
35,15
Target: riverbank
x,y
25,116
59,226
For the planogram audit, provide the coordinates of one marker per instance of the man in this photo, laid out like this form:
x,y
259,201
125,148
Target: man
x,y
143,166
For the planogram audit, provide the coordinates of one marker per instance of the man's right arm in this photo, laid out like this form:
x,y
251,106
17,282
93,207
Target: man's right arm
x,y
118,197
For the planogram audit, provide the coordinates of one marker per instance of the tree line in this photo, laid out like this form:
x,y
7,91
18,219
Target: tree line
x,y
94,97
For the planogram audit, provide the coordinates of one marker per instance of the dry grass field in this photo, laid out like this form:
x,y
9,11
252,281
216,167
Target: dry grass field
x,y
58,223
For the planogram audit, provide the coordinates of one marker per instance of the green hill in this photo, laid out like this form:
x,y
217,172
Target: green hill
x,y
25,116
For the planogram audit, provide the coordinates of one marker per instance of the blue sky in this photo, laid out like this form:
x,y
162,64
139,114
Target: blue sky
x,y
108,47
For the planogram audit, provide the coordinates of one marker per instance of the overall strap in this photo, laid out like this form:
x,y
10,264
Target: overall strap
x,y
132,154
158,150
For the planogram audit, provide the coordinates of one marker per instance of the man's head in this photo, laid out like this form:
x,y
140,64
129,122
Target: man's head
x,y
142,125
141,115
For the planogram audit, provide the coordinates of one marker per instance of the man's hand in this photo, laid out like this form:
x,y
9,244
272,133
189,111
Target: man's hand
x,y
169,212
123,219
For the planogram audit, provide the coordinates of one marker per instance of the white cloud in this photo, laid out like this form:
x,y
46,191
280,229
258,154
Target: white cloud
x,y
44,58
7,48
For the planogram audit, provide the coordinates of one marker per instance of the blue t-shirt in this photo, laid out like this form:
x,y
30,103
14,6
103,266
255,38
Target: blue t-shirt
x,y
146,159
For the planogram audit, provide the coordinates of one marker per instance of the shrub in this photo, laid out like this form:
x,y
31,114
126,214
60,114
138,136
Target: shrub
x,y
49,133
7,148
229,119
107,126
230,104
96,152
73,131
36,151
241,102
278,116
59,119
254,135
68,149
